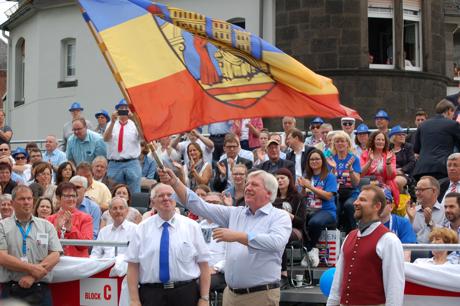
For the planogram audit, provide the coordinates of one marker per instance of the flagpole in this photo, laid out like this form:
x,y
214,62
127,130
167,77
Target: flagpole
x,y
121,85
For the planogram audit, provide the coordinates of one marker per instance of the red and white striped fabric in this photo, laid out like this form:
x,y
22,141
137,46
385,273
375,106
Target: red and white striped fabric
x,y
432,285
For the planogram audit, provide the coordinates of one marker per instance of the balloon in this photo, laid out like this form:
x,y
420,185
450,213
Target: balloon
x,y
325,282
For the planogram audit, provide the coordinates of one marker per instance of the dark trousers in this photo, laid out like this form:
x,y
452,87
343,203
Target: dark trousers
x,y
37,295
346,211
315,225
187,295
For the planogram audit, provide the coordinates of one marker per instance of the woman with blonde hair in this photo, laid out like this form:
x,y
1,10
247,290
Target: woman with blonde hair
x,y
440,235
345,165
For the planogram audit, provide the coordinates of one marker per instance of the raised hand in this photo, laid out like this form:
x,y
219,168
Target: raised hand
x,y
227,198
222,169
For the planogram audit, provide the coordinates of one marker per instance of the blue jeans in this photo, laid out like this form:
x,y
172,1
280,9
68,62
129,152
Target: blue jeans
x,y
315,225
128,173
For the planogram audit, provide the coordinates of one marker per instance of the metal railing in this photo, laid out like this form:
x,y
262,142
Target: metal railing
x,y
91,243
431,247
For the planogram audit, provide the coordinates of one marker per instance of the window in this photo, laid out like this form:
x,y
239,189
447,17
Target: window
x,y
238,21
380,31
20,67
381,34
69,59
68,63
412,35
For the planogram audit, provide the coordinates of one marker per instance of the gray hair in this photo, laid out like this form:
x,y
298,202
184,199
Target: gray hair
x,y
98,159
153,192
125,203
79,179
454,156
5,197
270,182
19,188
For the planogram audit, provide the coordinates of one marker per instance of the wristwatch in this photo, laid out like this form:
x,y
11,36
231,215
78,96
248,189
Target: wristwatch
x,y
205,298
430,224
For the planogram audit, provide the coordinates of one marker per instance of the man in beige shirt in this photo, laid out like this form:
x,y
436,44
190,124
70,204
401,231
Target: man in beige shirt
x,y
96,191
29,249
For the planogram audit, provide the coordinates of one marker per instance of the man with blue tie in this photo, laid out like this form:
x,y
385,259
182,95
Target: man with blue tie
x,y
166,257
257,232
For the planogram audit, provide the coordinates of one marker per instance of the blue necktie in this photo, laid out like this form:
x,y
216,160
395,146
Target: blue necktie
x,y
164,254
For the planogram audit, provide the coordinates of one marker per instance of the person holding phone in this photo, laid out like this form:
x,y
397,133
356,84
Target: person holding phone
x,y
123,148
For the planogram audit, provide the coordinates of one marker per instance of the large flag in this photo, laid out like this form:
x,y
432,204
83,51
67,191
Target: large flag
x,y
179,69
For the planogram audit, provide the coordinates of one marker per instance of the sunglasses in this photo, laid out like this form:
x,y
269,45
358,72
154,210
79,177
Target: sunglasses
x,y
20,157
347,123
315,127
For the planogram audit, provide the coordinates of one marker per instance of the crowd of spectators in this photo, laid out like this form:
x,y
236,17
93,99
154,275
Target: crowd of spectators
x,y
85,187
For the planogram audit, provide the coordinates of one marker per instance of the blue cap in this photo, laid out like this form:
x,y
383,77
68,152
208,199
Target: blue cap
x,y
75,106
121,103
104,113
362,129
317,120
388,195
396,130
382,114
18,151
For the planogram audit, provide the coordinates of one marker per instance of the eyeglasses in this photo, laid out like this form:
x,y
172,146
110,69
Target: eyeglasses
x,y
238,174
347,123
231,147
44,174
69,196
315,126
422,189
20,157
100,117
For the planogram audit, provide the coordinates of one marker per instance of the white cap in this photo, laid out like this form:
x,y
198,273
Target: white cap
x,y
347,119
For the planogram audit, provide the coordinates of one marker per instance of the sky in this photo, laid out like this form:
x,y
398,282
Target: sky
x,y
4,5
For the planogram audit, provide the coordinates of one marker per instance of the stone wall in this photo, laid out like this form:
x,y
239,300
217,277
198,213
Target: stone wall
x,y
330,37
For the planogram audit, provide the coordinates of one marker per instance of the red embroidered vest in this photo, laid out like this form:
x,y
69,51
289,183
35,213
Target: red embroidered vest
x,y
362,280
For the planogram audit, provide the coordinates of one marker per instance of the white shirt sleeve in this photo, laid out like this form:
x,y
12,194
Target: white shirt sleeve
x,y
389,249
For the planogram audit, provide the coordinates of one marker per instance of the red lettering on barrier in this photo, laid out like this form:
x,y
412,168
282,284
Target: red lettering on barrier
x,y
92,296
107,291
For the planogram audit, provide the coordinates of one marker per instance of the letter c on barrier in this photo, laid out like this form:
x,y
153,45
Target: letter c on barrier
x,y
107,291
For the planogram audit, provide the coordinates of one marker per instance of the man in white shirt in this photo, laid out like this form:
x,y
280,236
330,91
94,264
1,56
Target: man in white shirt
x,y
166,257
123,148
120,230
370,269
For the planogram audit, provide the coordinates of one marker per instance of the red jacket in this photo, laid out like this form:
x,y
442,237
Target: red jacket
x,y
82,228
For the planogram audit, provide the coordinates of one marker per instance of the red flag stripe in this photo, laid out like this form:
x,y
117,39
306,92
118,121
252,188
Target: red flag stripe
x,y
415,289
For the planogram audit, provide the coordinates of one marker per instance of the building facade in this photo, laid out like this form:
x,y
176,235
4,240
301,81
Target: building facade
x,y
53,60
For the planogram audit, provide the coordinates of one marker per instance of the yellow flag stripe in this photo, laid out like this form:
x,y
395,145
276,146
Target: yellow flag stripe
x,y
132,44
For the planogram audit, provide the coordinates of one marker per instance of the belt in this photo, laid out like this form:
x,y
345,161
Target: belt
x,y
217,135
254,289
123,160
168,285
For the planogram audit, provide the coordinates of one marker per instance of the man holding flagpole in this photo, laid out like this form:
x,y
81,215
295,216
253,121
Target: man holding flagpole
x,y
258,233
123,148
